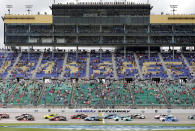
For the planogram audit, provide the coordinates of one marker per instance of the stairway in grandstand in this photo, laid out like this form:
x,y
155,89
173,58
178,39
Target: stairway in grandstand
x,y
191,68
164,96
164,66
64,65
41,94
88,65
17,59
138,66
132,96
3,62
38,64
114,66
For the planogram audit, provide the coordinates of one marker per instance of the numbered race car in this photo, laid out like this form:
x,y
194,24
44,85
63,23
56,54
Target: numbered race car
x,y
169,118
93,118
58,118
138,116
49,116
79,116
191,117
159,116
112,116
25,117
4,116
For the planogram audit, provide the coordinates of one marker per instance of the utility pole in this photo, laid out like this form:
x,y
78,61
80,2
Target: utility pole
x,y
28,7
173,8
9,8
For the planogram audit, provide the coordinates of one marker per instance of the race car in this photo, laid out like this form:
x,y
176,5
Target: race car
x,y
4,116
58,118
49,116
159,116
79,116
93,118
126,118
191,117
25,117
123,118
138,116
168,118
112,116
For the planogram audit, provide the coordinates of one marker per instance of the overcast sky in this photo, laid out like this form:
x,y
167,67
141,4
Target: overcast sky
x,y
184,7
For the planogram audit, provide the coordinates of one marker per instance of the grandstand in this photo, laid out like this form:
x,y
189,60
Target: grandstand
x,y
150,64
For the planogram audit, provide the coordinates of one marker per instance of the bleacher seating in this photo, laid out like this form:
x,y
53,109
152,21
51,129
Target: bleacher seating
x,y
126,67
26,93
6,89
7,64
176,66
56,94
151,66
117,94
26,65
101,67
76,65
147,94
87,95
191,60
177,94
51,66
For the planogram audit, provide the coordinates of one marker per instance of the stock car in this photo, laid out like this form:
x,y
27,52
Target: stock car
x,y
112,116
4,116
94,118
191,117
79,116
123,118
159,116
168,118
48,116
138,116
58,118
25,117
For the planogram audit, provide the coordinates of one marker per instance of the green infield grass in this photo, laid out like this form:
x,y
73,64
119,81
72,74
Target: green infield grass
x,y
19,129
147,124
30,124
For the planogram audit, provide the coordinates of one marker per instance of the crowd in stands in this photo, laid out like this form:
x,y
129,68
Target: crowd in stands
x,y
76,65
26,65
51,65
7,64
176,66
151,66
190,57
101,65
126,66
96,93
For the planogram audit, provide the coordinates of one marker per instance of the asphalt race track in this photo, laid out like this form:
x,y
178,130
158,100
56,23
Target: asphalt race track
x,y
149,119
107,127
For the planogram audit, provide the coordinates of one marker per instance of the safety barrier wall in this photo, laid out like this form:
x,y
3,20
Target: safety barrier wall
x,y
41,110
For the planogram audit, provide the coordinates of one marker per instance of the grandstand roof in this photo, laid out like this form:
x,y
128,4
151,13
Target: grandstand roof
x,y
109,5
